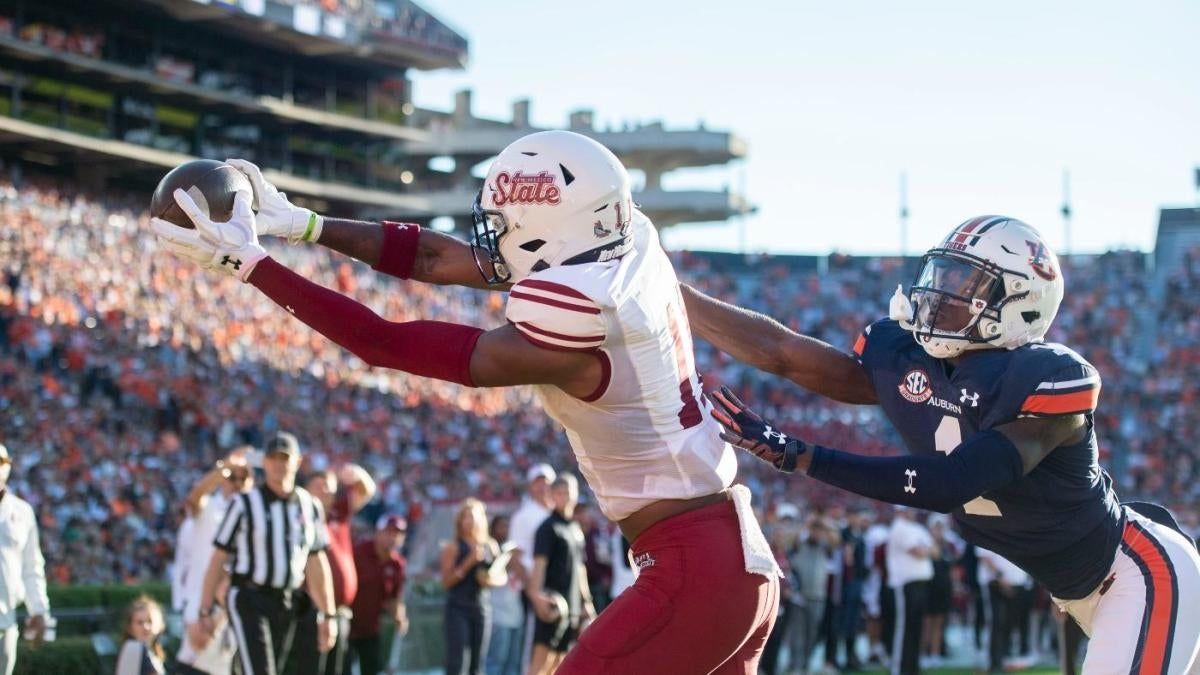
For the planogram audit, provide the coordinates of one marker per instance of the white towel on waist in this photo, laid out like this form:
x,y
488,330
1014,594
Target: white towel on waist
x,y
755,550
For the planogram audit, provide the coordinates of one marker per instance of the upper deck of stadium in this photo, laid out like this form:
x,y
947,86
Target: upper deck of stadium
x,y
317,94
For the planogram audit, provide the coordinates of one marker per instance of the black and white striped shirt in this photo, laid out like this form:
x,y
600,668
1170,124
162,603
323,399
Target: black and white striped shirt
x,y
270,538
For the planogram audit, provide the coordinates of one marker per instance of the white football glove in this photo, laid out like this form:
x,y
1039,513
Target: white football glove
x,y
231,247
277,216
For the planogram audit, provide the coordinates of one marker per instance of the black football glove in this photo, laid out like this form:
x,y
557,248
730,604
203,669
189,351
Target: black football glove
x,y
749,431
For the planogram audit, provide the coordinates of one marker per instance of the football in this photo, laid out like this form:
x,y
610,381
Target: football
x,y
210,183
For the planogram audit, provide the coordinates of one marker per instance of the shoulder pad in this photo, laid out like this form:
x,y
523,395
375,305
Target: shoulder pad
x,y
556,315
1055,381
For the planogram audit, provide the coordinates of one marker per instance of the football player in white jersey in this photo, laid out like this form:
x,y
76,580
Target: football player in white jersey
x,y
597,323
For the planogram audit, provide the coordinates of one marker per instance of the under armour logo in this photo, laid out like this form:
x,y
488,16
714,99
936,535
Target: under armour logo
x,y
972,397
642,561
911,474
236,263
771,433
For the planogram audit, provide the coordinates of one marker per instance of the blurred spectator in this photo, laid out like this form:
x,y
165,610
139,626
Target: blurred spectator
x,y
909,553
342,494
22,569
947,548
508,614
141,654
529,516
206,505
382,571
808,565
558,588
467,572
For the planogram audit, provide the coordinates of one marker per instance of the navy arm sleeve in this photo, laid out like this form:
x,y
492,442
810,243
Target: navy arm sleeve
x,y
942,483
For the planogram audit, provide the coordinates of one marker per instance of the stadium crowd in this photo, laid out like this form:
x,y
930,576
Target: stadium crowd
x,y
124,375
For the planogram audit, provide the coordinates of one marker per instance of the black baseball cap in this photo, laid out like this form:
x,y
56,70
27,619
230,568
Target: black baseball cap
x,y
283,443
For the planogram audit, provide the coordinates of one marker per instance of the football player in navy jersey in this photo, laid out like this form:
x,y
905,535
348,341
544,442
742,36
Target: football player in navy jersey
x,y
1000,429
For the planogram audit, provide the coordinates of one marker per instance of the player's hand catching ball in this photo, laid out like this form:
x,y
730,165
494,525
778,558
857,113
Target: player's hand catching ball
x,y
277,217
749,431
231,247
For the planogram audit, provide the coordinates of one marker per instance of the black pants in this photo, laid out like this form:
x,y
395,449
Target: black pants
x,y
887,616
1000,606
370,659
264,623
467,630
307,658
910,619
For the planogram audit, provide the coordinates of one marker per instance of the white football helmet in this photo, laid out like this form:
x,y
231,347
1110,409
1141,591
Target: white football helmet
x,y
551,198
992,283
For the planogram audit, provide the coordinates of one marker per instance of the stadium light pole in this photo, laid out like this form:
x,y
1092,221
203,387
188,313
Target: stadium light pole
x,y
903,214
1066,211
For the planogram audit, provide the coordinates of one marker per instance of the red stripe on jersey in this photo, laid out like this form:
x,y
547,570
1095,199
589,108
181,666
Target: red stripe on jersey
x,y
1062,404
1159,573
550,345
859,345
559,336
553,303
551,287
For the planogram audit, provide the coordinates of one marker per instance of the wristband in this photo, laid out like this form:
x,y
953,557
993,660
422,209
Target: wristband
x,y
398,254
312,227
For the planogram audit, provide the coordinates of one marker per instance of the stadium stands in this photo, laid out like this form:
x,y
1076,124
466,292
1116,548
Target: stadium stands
x,y
123,374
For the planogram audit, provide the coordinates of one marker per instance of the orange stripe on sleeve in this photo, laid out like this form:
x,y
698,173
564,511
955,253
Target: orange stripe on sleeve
x,y
1060,404
859,344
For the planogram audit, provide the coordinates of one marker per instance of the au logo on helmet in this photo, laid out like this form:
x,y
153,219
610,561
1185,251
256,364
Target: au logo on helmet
x,y
523,188
1039,260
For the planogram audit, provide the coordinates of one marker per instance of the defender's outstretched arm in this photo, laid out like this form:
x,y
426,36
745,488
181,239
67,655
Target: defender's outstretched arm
x,y
984,462
766,344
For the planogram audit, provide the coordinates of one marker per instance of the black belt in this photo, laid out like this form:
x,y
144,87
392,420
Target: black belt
x,y
247,585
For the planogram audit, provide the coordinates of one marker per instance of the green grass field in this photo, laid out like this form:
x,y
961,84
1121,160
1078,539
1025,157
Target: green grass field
x,y
970,671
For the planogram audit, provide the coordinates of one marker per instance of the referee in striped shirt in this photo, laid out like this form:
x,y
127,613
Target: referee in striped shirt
x,y
271,540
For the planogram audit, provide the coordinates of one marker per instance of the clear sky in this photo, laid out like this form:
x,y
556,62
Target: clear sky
x,y
982,104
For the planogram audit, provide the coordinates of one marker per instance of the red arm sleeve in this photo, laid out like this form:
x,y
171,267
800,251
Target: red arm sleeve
x,y
427,348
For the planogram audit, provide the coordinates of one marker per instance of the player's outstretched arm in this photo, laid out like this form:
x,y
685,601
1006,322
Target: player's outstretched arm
x,y
401,250
760,341
436,349
984,462
445,351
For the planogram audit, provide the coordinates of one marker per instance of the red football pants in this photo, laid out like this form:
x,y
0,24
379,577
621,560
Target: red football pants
x,y
694,608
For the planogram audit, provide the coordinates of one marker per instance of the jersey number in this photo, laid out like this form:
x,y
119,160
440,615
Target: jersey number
x,y
681,345
948,437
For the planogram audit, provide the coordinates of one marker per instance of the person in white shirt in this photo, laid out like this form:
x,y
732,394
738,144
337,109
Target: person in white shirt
x,y
183,559
909,568
206,505
529,516
22,570
1001,581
